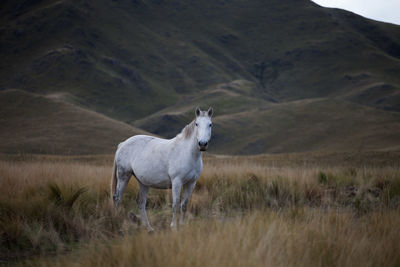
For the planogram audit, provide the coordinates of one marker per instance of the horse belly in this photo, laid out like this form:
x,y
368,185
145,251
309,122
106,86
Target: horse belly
x,y
155,181
152,174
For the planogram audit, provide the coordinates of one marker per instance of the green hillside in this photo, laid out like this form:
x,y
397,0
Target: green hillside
x,y
276,72
32,123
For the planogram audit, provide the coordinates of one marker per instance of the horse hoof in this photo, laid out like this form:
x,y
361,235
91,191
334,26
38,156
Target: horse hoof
x,y
150,230
174,227
134,218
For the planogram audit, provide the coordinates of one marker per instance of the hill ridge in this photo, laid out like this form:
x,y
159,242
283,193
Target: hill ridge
x,y
32,123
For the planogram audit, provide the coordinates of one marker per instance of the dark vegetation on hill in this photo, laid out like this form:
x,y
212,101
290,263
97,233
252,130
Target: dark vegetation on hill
x,y
282,76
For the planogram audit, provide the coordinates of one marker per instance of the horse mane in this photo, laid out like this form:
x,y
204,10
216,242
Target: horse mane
x,y
188,130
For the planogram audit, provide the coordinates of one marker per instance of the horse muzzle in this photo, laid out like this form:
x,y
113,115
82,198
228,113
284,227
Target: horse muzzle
x,y
203,146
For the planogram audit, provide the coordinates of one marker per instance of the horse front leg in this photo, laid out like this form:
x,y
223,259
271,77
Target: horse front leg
x,y
176,193
186,193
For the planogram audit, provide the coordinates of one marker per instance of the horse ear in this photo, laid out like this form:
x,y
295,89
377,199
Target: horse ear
x,y
210,112
198,111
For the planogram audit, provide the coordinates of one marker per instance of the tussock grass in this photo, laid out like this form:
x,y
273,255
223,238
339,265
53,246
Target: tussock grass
x,y
49,207
244,211
294,237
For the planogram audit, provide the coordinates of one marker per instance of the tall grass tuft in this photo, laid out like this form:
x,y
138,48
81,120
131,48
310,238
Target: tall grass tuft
x,y
62,200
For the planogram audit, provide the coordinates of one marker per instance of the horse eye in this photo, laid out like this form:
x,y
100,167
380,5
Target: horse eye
x,y
210,125
197,124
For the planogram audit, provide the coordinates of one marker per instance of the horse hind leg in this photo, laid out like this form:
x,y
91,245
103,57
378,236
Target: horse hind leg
x,y
123,177
141,202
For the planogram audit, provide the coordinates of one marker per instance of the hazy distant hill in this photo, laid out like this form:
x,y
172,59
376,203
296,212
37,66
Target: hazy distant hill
x,y
282,75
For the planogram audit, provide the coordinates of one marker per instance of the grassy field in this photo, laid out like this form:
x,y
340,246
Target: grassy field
x,y
311,209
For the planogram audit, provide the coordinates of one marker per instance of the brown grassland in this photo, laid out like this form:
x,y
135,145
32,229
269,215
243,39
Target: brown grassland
x,y
314,209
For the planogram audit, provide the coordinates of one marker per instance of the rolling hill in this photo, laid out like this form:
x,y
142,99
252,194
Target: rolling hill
x,y
32,123
282,76
314,124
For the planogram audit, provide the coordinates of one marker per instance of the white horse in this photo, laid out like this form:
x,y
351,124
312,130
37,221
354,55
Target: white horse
x,y
163,163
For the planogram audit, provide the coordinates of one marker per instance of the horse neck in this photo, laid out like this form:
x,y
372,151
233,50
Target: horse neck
x,y
189,143
195,151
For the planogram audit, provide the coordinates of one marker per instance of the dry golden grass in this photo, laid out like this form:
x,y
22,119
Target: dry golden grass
x,y
299,237
246,211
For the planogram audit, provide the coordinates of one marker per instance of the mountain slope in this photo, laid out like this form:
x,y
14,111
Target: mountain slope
x,y
317,124
32,123
308,125
128,59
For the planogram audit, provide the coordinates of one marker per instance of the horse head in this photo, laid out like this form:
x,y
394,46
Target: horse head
x,y
203,126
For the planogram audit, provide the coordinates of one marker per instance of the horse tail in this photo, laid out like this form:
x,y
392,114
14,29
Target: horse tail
x,y
113,183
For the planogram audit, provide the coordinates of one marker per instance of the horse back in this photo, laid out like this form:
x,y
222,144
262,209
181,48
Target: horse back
x,y
130,149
